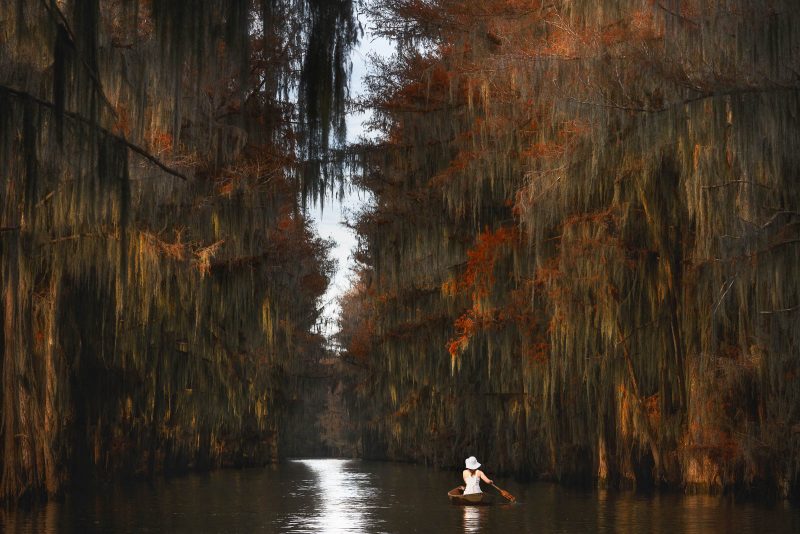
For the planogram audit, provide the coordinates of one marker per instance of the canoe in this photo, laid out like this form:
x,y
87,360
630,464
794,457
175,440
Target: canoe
x,y
457,497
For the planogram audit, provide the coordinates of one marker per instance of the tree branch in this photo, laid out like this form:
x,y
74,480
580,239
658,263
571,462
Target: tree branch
x,y
83,120
678,15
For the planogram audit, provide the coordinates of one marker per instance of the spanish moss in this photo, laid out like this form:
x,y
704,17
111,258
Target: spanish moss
x,y
580,257
160,284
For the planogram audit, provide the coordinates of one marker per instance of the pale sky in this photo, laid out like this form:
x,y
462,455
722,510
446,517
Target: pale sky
x,y
329,220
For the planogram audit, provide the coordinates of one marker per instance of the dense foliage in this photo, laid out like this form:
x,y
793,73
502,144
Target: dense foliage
x,y
581,258
160,283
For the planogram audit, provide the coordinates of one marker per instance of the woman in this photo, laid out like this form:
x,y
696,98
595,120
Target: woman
x,y
473,476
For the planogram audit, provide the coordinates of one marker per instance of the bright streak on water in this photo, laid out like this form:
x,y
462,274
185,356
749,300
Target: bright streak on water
x,y
472,519
345,495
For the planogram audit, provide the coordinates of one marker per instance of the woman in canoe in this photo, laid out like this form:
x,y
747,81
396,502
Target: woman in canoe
x,y
473,476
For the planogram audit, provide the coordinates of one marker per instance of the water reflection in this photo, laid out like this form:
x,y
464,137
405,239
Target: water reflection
x,y
344,496
340,496
473,519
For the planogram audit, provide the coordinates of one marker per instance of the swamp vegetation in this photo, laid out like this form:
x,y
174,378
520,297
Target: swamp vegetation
x,y
160,283
580,261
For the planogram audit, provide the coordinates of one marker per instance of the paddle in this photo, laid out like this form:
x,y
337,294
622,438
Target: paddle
x,y
505,494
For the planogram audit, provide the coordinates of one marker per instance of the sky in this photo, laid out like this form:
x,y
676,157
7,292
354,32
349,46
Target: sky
x,y
330,218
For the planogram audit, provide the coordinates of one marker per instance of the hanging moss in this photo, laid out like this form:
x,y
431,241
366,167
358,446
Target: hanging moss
x,y
643,156
160,286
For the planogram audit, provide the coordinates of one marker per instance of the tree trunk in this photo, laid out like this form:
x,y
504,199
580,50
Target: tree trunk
x,y
50,381
11,484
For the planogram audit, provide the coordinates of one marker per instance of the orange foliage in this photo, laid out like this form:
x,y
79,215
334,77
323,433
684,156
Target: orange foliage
x,y
160,141
466,326
408,405
548,274
537,353
360,346
457,165
569,133
643,25
479,275
478,279
226,188
652,409
286,222
431,85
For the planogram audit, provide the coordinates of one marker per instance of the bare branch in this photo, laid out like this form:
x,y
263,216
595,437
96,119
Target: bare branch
x,y
83,120
678,15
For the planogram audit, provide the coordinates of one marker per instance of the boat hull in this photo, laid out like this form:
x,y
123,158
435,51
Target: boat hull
x,y
458,498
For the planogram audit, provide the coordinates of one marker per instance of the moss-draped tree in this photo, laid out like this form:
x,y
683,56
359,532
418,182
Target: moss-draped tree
x,y
581,256
160,283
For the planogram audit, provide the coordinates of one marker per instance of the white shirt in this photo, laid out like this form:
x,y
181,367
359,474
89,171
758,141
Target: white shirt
x,y
473,484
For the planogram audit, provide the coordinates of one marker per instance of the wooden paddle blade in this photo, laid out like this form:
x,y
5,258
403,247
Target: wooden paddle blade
x,y
508,496
505,494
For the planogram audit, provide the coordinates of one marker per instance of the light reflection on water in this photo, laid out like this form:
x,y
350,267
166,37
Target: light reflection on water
x,y
345,495
349,496
472,519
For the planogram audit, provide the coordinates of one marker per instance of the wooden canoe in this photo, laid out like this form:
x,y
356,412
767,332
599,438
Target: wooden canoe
x,y
457,497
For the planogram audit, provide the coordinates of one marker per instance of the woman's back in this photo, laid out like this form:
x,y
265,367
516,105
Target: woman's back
x,y
472,479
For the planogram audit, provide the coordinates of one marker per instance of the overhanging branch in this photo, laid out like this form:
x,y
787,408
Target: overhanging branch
x,y
83,120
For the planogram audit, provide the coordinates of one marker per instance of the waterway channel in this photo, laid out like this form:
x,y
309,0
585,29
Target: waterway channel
x,y
352,496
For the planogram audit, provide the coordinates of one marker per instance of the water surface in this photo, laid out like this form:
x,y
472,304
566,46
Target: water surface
x,y
352,496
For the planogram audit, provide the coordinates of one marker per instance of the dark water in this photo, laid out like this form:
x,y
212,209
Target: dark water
x,y
343,496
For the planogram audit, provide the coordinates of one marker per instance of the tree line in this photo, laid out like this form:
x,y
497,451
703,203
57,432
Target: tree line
x,y
580,257
160,280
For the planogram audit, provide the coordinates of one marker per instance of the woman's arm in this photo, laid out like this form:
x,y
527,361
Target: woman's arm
x,y
483,477
465,476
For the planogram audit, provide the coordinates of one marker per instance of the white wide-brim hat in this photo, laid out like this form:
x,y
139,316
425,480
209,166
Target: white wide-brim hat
x,y
472,463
